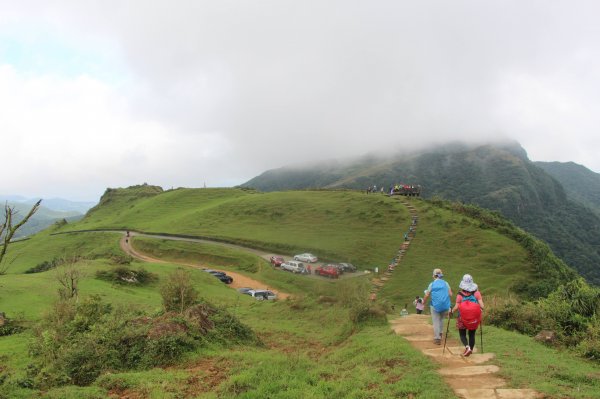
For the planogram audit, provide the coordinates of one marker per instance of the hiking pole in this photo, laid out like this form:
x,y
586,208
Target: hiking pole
x,y
481,326
446,335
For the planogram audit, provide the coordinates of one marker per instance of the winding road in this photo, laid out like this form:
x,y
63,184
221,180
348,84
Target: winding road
x,y
239,280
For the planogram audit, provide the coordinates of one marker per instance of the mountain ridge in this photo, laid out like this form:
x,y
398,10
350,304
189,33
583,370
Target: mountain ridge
x,y
499,177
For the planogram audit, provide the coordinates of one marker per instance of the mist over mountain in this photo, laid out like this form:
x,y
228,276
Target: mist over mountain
x,y
495,176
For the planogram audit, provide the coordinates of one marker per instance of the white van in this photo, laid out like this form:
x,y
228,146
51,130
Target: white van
x,y
293,266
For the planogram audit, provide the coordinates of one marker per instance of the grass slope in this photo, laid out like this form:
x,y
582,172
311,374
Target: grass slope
x,y
311,348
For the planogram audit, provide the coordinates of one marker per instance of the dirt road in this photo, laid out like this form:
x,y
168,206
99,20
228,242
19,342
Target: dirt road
x,y
239,280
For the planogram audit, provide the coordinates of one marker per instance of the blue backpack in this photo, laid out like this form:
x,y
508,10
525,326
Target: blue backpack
x,y
440,300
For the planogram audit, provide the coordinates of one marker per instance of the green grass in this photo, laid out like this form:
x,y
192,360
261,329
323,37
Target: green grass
x,y
458,246
526,363
311,349
337,226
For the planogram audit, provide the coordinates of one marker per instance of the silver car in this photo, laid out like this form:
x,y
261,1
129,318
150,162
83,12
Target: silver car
x,y
262,295
306,257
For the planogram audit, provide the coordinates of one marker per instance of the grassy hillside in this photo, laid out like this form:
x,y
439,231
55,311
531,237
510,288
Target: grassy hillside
x,y
337,226
313,345
496,177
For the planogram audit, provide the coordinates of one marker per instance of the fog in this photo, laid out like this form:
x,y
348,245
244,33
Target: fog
x,y
108,94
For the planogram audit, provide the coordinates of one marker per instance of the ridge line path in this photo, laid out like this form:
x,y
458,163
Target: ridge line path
x,y
470,377
239,280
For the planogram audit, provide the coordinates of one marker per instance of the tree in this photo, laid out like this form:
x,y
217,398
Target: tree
x,y
68,276
7,230
177,292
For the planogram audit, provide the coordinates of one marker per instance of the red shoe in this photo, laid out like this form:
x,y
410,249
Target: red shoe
x,y
467,352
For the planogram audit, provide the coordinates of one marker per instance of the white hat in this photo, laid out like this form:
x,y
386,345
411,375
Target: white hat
x,y
467,283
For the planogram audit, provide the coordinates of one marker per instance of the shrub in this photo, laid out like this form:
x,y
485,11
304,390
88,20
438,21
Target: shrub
x,y
77,342
127,276
45,266
177,292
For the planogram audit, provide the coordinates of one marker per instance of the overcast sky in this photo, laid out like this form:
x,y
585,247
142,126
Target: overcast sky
x,y
112,93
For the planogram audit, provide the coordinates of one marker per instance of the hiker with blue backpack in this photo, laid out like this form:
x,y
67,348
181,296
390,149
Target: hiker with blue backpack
x,y
440,293
469,304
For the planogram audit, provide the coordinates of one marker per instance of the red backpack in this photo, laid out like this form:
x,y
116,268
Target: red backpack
x,y
469,311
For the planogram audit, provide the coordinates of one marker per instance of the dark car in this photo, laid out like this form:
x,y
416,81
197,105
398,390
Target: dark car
x,y
330,271
348,267
277,260
220,275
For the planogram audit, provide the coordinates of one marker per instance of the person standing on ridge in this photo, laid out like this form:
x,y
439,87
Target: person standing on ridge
x,y
440,293
469,304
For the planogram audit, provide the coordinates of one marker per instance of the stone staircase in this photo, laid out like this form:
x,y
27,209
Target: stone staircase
x,y
470,377
378,282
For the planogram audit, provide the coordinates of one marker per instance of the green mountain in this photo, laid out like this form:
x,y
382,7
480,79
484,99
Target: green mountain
x,y
580,183
496,177
41,220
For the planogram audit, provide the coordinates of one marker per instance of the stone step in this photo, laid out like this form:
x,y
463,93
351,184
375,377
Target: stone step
x,y
476,393
469,370
505,393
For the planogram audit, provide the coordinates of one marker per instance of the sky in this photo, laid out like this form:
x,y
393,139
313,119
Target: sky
x,y
187,93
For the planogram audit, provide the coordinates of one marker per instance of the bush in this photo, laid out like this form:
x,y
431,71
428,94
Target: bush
x,y
177,292
45,266
572,311
127,276
77,342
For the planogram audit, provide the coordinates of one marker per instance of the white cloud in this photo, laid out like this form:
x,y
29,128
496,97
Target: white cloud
x,y
176,93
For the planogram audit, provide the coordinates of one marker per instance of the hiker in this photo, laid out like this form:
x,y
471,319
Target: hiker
x,y
440,293
419,305
469,305
309,269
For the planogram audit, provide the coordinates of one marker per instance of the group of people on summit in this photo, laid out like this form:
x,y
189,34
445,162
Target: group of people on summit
x,y
401,189
468,308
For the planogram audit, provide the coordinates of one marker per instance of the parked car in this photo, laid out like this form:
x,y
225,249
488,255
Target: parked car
x,y
244,290
306,257
277,260
220,275
328,271
262,295
348,267
294,267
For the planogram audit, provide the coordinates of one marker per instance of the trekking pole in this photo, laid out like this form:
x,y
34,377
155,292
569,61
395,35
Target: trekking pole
x,y
481,326
446,335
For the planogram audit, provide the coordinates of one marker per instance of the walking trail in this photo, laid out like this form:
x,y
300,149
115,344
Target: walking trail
x,y
239,280
473,377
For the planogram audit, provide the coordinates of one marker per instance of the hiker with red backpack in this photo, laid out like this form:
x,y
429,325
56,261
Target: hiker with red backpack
x,y
469,305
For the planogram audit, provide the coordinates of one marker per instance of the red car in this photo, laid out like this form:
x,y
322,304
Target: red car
x,y
277,260
328,271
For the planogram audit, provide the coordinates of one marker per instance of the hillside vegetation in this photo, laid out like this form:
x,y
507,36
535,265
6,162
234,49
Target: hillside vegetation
x,y
495,177
327,341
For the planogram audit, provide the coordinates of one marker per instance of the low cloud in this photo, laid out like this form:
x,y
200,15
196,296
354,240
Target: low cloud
x,y
220,91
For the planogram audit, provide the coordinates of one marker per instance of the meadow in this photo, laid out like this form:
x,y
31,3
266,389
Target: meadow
x,y
313,345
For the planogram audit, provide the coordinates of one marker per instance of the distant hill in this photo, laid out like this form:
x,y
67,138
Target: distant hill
x,y
51,211
580,183
496,177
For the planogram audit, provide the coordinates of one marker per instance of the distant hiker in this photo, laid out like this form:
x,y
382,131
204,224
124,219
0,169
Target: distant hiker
x,y
469,305
127,233
404,312
440,293
309,269
419,305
